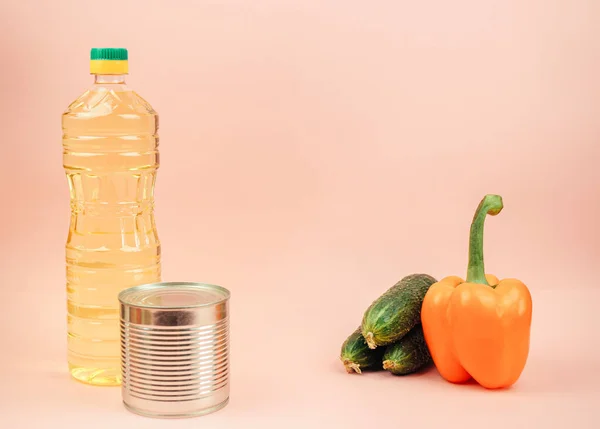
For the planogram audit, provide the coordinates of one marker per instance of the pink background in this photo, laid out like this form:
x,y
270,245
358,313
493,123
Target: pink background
x,y
313,153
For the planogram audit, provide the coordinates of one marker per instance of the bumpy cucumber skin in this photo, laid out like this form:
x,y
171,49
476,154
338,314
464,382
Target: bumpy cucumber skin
x,y
408,355
357,356
397,311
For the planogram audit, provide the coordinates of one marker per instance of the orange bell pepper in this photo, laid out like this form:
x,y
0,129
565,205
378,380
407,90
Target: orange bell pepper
x,y
479,328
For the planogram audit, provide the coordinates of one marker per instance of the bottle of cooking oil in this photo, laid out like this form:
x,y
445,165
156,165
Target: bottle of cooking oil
x,y
110,156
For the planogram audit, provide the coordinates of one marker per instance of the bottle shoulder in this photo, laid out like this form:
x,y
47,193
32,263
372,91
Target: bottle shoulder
x,y
106,100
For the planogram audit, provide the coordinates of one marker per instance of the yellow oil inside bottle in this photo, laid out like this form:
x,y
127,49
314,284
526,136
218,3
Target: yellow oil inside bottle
x,y
110,156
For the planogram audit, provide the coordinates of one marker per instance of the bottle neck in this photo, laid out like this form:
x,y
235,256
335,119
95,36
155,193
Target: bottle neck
x,y
107,79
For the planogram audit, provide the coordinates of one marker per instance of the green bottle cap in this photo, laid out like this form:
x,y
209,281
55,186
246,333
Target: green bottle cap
x,y
109,54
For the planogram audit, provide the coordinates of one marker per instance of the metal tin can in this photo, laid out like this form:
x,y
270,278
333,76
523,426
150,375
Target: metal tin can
x,y
174,349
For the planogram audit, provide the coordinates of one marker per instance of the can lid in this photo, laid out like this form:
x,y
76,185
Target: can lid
x,y
173,295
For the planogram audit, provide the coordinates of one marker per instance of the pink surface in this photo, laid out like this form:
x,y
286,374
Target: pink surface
x,y
313,153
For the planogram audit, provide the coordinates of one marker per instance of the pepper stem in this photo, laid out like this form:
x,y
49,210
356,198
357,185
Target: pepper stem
x,y
489,205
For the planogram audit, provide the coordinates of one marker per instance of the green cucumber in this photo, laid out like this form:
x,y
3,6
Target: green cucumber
x,y
396,312
408,355
357,356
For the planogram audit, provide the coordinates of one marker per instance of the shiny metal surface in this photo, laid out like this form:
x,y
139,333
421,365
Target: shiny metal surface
x,y
175,349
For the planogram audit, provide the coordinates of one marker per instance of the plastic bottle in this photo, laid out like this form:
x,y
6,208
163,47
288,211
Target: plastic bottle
x,y
110,156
